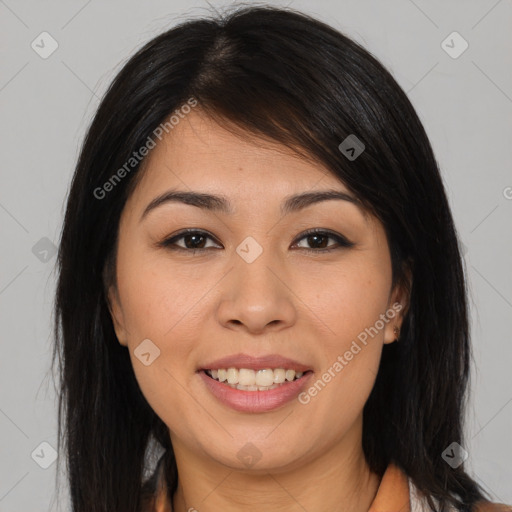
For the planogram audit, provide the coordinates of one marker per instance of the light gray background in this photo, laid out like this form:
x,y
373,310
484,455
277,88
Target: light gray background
x,y
465,104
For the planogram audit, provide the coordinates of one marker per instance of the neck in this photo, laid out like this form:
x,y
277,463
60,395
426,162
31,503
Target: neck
x,y
338,479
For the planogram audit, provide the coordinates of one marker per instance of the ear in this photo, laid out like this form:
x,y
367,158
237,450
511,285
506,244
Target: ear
x,y
397,307
116,312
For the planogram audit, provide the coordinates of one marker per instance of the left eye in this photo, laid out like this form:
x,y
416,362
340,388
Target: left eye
x,y
317,239
195,240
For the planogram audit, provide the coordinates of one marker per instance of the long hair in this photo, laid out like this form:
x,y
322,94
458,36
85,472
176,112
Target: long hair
x,y
282,75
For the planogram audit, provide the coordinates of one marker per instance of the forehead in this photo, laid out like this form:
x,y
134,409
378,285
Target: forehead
x,y
198,152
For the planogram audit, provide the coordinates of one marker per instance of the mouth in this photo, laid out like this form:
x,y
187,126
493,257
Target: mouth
x,y
251,384
252,380
254,384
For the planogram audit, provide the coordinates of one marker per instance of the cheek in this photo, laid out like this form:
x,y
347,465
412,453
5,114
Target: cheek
x,y
158,305
348,299
157,296
348,304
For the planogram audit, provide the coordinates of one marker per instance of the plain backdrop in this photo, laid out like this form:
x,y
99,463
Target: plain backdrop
x,y
46,104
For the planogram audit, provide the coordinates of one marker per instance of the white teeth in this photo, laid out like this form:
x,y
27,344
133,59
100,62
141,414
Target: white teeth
x,y
279,376
232,376
265,377
247,379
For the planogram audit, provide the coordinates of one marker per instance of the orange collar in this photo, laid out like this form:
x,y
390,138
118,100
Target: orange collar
x,y
392,494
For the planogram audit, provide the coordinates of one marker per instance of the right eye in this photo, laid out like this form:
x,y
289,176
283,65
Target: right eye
x,y
193,240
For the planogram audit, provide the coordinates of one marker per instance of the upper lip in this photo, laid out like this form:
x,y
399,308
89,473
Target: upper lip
x,y
255,363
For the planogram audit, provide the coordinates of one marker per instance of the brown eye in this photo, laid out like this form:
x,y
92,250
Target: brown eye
x,y
318,241
193,240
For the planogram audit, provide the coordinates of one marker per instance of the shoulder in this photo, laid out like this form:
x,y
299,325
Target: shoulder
x,y
488,506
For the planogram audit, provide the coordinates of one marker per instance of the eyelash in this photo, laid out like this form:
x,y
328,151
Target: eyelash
x,y
169,243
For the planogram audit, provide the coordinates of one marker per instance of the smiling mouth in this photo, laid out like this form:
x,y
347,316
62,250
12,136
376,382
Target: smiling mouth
x,y
246,379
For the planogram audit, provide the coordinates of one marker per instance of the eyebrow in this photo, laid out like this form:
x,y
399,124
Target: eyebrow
x,y
219,203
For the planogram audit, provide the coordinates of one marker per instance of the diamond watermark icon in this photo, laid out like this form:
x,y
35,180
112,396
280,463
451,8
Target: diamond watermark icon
x,y
351,147
44,45
454,455
44,455
146,352
454,45
44,250
249,249
248,454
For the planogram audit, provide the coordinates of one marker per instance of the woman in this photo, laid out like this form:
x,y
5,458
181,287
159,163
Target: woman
x,y
259,274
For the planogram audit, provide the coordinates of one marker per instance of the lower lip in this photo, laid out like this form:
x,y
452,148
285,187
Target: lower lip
x,y
255,401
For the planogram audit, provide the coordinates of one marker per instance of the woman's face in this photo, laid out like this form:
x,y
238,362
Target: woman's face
x,y
256,292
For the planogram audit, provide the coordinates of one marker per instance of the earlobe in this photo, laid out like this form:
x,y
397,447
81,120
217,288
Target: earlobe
x,y
392,330
117,316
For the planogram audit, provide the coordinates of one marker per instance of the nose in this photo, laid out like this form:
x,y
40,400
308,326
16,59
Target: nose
x,y
256,297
